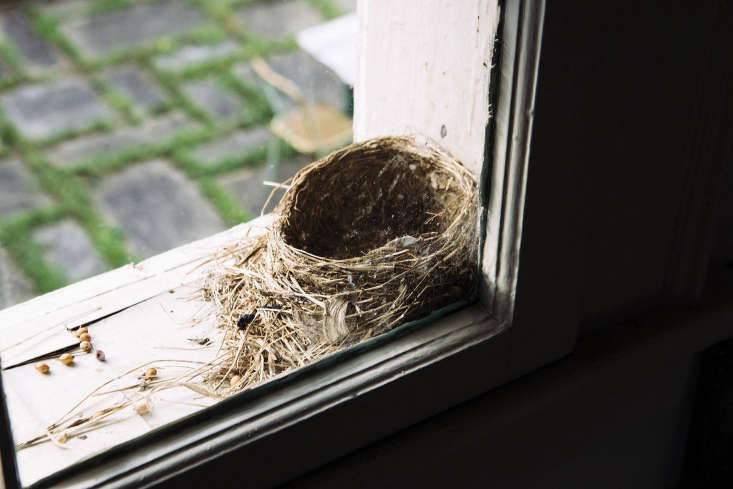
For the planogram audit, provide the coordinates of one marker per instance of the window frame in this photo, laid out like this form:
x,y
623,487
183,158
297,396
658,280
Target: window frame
x,y
404,376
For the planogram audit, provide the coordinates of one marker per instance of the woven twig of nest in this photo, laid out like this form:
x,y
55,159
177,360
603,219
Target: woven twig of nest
x,y
371,236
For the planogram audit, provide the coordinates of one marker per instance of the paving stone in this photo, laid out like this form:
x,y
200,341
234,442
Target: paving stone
x,y
141,23
156,207
277,19
232,146
144,95
19,190
246,185
69,248
193,55
86,148
45,109
214,99
15,287
63,9
37,52
318,83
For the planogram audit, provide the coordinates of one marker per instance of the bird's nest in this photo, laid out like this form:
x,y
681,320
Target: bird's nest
x,y
376,234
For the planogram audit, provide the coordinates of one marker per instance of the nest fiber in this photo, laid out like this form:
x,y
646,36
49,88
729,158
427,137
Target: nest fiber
x,y
376,234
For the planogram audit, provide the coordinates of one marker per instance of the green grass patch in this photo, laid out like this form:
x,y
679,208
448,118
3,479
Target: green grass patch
x,y
102,6
115,99
48,28
251,94
94,127
12,81
73,195
223,13
102,165
16,236
13,63
224,203
122,104
178,98
258,109
213,65
326,8
195,169
206,34
11,58
277,150
239,3
255,110
8,133
163,107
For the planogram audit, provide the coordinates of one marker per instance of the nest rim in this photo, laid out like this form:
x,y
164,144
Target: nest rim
x,y
463,186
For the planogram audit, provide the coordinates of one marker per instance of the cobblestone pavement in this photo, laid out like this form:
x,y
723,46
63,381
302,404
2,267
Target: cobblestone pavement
x,y
128,127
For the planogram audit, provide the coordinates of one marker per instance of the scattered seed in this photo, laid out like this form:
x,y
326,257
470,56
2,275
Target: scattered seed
x,y
42,368
100,355
234,380
85,346
82,437
62,438
66,358
85,337
142,407
81,331
151,373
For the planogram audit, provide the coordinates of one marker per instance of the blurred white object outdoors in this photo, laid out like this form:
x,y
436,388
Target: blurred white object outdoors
x,y
335,44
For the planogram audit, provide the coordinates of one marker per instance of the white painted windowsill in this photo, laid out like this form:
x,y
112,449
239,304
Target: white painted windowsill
x,y
144,312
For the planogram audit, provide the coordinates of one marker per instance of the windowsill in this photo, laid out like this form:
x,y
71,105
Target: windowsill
x,y
385,366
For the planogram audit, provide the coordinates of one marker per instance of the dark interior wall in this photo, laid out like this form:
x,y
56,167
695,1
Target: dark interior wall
x,y
620,91
618,426
723,243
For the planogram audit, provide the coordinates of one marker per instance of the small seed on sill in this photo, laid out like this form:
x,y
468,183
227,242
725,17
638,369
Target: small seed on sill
x,y
66,359
85,346
85,337
151,373
142,407
81,331
100,355
42,368
62,438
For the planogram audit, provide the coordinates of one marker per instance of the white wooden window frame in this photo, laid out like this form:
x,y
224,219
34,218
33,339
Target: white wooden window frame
x,y
356,397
